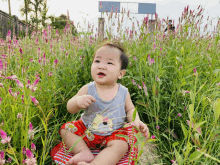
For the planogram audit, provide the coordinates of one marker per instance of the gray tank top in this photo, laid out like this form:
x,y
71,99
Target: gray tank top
x,y
103,117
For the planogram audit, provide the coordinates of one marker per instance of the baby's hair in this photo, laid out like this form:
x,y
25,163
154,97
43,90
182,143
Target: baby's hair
x,y
123,57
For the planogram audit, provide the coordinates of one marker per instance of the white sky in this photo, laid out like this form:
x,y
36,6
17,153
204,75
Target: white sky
x,y
81,9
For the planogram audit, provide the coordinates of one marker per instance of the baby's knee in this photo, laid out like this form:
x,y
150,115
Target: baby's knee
x,y
123,144
63,132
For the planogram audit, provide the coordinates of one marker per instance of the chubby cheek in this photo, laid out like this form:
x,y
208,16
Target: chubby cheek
x,y
92,71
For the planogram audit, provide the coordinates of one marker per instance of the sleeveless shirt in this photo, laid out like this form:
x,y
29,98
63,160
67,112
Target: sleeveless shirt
x,y
103,117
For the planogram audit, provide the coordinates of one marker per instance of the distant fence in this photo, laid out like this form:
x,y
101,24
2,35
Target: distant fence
x,y
11,23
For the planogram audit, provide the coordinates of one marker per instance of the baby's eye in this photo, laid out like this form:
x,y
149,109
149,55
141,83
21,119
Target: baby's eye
x,y
110,63
97,61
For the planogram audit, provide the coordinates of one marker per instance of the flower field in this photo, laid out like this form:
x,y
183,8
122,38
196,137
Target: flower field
x,y
173,79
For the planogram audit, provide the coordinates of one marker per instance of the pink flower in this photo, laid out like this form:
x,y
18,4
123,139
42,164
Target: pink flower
x,y
195,72
0,100
1,84
20,50
30,131
150,61
23,150
55,62
20,84
31,60
145,89
135,58
34,100
157,79
13,77
139,87
30,126
9,160
153,137
19,116
218,84
157,127
2,160
179,114
5,138
50,74
134,83
172,161
33,147
180,66
31,160
36,81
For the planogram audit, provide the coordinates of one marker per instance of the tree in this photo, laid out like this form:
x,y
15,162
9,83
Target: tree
x,y
36,7
9,6
44,13
61,22
26,9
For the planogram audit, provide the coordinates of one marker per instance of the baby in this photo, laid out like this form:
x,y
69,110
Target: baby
x,y
107,105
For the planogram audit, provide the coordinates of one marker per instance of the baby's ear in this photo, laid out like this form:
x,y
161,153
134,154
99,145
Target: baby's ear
x,y
122,73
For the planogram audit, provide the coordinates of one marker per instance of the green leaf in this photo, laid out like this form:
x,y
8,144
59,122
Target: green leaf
x,y
216,70
134,114
185,131
188,148
175,144
182,50
209,156
191,110
195,155
197,127
124,136
192,97
81,138
178,157
216,109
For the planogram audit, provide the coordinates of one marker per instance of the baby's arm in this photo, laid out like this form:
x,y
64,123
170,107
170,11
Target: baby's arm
x,y
71,104
129,108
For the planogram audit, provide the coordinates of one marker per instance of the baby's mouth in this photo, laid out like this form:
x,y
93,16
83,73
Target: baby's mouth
x,y
101,74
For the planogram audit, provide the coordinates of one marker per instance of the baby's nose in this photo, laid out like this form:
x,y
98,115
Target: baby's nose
x,y
101,66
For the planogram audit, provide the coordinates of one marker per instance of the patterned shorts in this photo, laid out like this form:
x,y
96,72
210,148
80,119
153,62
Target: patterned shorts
x,y
94,141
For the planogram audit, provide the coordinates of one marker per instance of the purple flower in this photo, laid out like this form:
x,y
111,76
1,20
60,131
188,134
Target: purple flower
x,y
34,100
153,137
179,114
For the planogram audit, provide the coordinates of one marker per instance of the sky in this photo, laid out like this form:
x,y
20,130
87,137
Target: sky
x,y
87,10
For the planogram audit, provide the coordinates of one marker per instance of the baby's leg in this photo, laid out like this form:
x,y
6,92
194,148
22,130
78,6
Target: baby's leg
x,y
114,151
80,150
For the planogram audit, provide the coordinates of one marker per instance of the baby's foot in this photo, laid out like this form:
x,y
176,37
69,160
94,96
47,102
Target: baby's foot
x,y
84,163
82,156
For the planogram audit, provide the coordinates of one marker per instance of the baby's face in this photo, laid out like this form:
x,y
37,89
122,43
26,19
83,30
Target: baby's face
x,y
107,61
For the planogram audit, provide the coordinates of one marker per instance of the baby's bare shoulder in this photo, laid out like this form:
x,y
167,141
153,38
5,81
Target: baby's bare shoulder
x,y
83,90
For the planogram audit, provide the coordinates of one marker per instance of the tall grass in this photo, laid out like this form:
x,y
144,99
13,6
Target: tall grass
x,y
180,102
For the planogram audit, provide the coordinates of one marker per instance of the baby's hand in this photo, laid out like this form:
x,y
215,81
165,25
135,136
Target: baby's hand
x,y
142,127
85,101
